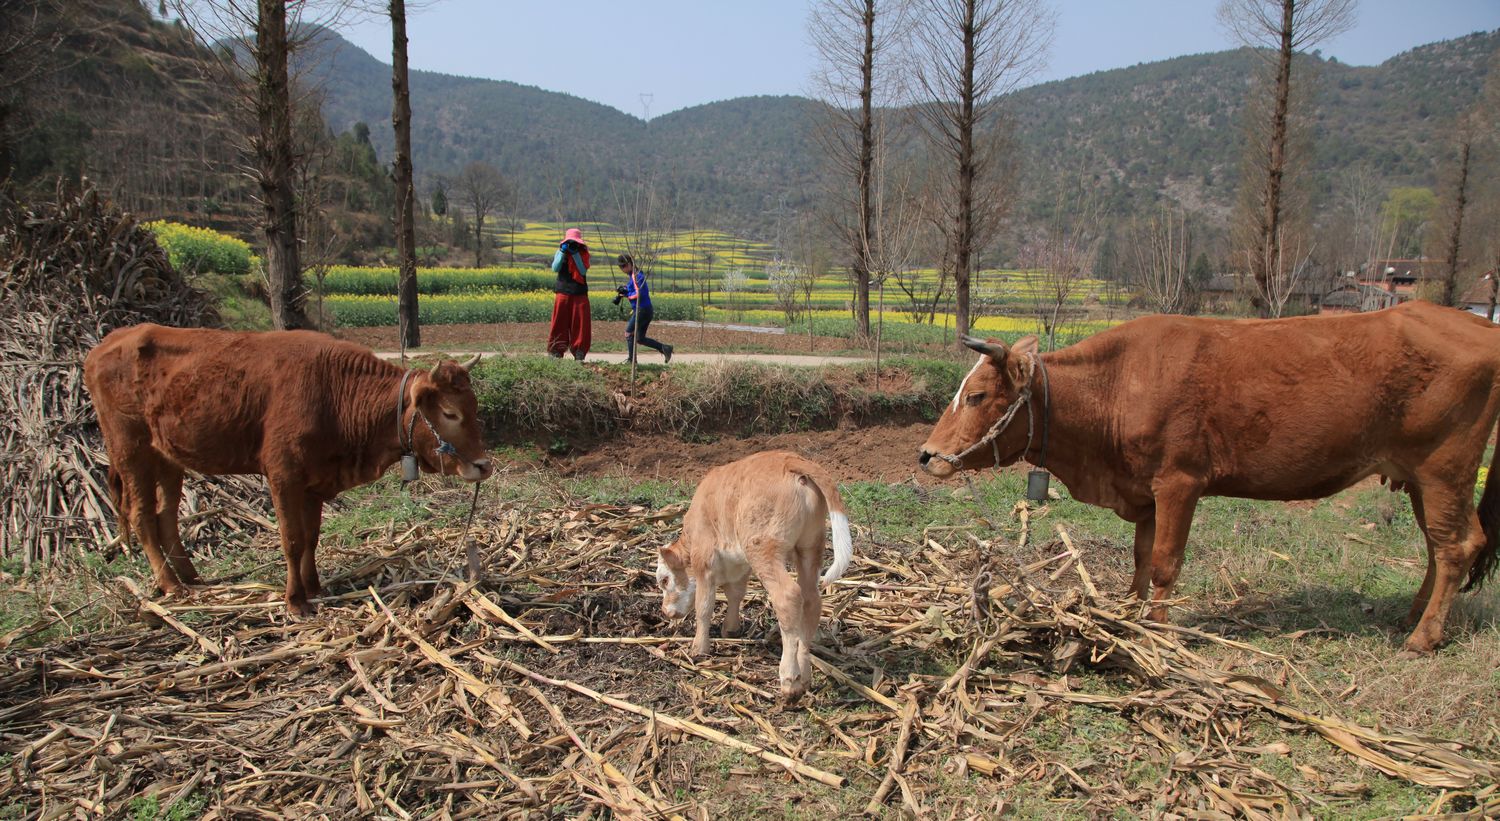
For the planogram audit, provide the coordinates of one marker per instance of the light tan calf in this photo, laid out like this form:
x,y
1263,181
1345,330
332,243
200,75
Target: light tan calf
x,y
756,514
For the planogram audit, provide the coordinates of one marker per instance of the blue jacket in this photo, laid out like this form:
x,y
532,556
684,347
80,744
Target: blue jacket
x,y
637,290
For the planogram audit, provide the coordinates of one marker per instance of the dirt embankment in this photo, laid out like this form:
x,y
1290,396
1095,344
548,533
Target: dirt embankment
x,y
886,453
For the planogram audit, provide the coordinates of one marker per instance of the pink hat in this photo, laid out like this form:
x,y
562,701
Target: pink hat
x,y
575,234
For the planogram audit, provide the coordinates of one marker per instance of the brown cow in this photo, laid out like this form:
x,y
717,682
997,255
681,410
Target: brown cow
x,y
756,514
314,415
1151,416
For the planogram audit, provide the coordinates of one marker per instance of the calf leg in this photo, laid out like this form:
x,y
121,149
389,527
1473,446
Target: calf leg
x,y
312,526
735,593
168,500
767,557
1175,504
1454,539
707,588
808,559
1145,541
138,479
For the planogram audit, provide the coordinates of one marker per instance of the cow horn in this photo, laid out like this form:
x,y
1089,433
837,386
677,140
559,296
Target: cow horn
x,y
471,362
996,350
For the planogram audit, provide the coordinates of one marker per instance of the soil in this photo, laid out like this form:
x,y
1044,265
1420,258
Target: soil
x,y
685,337
886,453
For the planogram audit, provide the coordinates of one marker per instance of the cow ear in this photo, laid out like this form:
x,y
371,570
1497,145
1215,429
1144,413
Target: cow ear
x,y
673,555
1018,369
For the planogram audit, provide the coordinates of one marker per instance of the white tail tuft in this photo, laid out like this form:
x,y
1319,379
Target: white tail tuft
x,y
843,546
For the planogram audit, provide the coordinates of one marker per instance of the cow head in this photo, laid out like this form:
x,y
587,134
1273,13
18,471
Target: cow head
x,y
444,397
987,393
676,584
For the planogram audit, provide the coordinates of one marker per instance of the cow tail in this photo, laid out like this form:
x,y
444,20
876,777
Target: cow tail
x,y
117,498
838,520
1489,519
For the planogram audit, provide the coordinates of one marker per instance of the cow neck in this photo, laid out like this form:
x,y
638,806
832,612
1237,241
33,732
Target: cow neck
x,y
1076,432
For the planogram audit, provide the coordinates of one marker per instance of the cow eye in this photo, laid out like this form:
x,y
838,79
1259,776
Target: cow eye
x,y
450,416
974,398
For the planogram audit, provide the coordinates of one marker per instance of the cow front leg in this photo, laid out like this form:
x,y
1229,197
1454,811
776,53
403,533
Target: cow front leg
x,y
706,588
1174,518
1145,544
290,511
168,500
312,527
734,592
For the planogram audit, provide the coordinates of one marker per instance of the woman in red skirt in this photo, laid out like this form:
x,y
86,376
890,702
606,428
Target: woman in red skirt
x,y
572,322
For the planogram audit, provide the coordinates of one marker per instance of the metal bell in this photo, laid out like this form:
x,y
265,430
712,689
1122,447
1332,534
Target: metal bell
x,y
1036,485
409,471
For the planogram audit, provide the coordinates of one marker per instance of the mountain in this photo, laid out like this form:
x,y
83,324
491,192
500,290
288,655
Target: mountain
x,y
1165,128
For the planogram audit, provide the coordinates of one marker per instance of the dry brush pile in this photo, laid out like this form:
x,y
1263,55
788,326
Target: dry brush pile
x,y
70,272
553,689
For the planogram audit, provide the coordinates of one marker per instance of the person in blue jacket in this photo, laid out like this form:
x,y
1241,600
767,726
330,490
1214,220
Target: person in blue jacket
x,y
638,291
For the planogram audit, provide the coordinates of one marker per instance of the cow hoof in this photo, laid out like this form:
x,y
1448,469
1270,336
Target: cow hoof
x,y
698,652
300,610
734,632
792,689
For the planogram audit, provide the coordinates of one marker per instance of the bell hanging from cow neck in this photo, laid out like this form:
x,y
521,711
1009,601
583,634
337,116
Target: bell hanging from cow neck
x,y
1036,485
409,472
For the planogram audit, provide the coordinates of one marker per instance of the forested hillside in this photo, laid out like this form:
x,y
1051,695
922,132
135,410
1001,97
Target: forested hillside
x,y
161,133
1168,127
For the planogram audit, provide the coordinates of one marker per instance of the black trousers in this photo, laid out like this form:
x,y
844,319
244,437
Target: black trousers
x,y
635,328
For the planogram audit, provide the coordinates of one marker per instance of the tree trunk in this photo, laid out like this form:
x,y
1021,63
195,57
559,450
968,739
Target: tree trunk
x,y
1270,222
964,231
478,238
406,239
1455,235
866,168
275,155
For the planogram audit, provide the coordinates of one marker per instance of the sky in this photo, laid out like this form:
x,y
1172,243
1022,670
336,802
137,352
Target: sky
x,y
650,57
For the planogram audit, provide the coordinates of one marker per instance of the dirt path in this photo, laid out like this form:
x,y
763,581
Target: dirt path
x,y
653,358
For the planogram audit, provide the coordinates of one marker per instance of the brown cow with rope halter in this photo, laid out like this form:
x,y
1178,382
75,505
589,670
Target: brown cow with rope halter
x,y
314,415
1153,415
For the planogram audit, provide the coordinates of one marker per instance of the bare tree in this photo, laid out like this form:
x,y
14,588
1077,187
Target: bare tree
x,y
1285,274
1162,247
1285,27
1064,253
967,53
855,82
406,194
481,187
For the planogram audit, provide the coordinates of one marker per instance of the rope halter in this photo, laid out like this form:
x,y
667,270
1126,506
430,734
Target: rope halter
x,y
1023,399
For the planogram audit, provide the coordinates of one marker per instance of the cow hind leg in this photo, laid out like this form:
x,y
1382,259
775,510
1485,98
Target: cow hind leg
x,y
1454,540
808,560
168,500
1174,519
769,562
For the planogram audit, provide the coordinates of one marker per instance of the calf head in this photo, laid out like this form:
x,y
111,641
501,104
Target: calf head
x,y
991,389
676,584
445,431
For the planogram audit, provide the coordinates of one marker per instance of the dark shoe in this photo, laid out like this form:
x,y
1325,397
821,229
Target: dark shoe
x,y
555,354
668,354
579,357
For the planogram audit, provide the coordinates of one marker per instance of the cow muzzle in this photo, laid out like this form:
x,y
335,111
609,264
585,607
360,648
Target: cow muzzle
x,y
477,470
935,465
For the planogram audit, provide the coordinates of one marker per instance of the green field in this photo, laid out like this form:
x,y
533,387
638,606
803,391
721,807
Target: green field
x,y
698,274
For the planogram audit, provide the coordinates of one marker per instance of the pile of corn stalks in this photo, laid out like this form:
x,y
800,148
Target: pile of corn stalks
x,y
70,272
551,688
